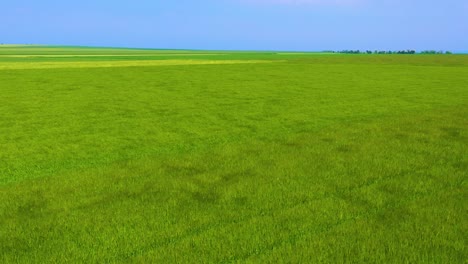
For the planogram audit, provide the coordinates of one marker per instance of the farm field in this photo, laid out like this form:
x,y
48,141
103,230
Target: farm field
x,y
179,156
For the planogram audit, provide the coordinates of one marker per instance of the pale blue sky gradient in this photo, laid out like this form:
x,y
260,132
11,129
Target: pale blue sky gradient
x,y
309,25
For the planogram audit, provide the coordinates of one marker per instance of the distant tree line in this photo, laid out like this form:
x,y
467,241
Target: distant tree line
x,y
388,52
435,52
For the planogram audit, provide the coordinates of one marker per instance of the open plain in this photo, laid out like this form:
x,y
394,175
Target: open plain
x,y
176,156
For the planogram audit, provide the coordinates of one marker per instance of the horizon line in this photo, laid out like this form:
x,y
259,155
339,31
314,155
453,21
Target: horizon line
x,y
226,50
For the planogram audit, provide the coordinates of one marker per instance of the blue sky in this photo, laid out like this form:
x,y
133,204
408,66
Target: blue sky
x,y
240,24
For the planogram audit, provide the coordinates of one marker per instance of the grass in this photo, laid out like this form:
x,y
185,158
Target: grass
x,y
115,63
308,158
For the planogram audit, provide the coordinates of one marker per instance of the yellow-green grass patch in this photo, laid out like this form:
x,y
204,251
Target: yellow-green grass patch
x,y
103,55
104,64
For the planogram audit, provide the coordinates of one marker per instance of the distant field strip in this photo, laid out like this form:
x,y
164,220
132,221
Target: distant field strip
x,y
303,53
103,64
104,55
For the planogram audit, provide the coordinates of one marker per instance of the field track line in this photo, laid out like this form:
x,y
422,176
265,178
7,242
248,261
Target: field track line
x,y
108,64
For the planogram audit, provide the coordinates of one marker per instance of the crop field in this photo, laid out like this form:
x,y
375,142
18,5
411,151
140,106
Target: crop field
x,y
176,156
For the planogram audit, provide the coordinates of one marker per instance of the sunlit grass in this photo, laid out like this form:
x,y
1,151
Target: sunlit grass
x,y
308,159
125,63
101,55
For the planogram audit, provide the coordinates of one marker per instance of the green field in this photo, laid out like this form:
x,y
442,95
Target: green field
x,y
172,156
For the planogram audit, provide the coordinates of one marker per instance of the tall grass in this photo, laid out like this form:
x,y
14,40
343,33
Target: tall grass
x,y
308,159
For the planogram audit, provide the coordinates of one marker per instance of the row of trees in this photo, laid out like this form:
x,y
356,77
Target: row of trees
x,y
435,52
388,52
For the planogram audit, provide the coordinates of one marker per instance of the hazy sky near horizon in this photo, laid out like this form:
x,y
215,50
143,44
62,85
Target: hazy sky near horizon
x,y
239,24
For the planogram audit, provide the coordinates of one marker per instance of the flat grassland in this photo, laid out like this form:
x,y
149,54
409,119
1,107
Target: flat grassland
x,y
126,155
